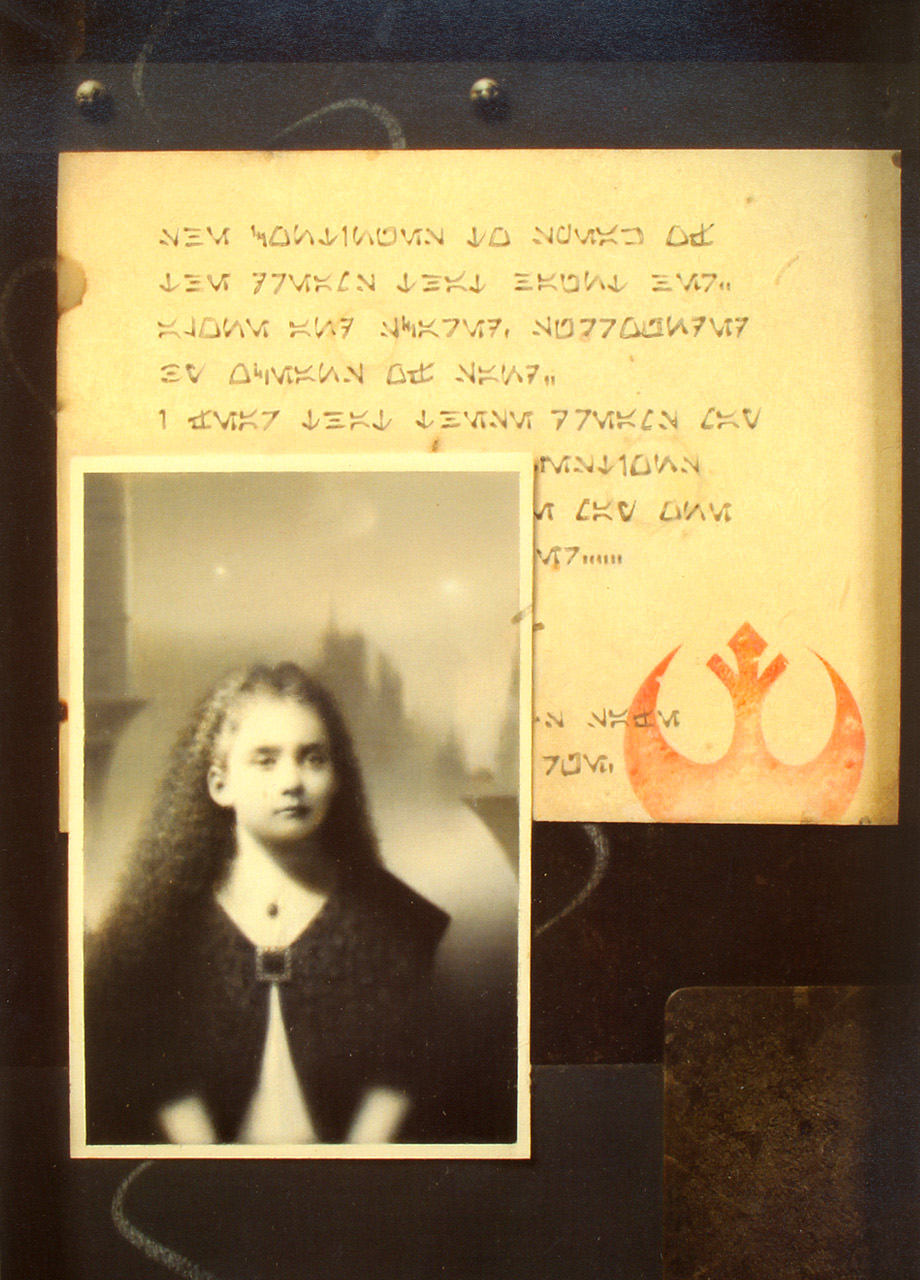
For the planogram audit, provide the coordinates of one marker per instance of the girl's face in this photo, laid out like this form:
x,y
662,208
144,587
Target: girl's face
x,y
276,772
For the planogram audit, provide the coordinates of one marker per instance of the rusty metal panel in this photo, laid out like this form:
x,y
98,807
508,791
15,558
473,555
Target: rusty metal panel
x,y
789,1133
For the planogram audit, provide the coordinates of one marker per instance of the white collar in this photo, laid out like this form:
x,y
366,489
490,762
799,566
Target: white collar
x,y
263,901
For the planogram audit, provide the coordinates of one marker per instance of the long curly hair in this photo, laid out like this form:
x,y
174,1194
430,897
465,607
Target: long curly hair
x,y
186,849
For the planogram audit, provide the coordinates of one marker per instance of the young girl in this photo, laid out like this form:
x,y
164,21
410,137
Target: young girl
x,y
261,977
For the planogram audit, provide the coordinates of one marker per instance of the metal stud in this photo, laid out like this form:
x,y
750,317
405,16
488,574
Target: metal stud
x,y
93,100
488,97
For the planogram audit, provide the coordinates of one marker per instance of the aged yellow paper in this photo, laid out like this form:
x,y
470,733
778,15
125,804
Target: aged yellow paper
x,y
700,349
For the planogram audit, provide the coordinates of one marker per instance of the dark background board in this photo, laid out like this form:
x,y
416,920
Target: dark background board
x,y
677,906
414,1219
708,906
438,30
563,104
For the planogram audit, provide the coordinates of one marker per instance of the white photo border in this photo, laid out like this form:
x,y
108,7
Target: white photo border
x,y
80,467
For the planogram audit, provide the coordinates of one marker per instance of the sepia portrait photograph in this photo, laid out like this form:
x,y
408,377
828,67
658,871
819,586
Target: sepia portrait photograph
x,y
300,806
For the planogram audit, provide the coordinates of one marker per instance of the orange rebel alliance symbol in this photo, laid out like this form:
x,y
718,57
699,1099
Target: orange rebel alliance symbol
x,y
748,779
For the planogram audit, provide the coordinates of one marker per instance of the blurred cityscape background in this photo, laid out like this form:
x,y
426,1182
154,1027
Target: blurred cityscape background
x,y
397,589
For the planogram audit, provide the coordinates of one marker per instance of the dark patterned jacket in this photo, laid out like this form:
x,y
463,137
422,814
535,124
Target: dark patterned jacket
x,y
189,1015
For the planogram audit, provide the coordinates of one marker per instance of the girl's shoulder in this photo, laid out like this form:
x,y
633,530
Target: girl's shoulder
x,y
386,905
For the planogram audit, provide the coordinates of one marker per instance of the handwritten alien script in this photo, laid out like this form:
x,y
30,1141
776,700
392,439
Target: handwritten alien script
x,y
700,350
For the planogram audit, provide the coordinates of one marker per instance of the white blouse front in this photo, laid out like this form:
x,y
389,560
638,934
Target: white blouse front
x,y
272,910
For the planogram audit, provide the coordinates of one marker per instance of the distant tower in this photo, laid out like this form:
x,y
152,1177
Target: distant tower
x,y
343,666
390,703
508,750
450,759
107,685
